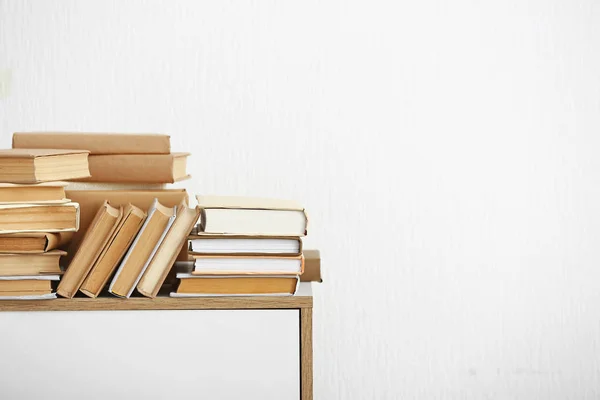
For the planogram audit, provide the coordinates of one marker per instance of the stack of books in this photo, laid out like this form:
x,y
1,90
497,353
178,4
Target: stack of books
x,y
35,218
244,247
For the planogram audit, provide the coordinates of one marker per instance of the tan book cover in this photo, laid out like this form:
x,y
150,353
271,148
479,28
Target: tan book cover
x,y
312,266
91,200
31,264
17,217
25,284
138,168
96,143
42,165
168,251
46,192
248,265
33,242
143,248
125,233
236,285
103,225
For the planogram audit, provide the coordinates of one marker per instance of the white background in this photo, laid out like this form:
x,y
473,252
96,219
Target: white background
x,y
446,153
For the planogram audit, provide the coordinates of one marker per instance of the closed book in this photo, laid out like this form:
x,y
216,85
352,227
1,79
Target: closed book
x,y
42,165
16,218
231,215
46,192
31,264
33,242
103,225
198,286
167,253
27,287
126,231
143,248
244,245
138,168
96,143
312,266
91,200
247,265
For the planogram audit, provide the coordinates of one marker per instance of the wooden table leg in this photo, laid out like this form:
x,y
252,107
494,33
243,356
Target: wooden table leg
x,y
306,354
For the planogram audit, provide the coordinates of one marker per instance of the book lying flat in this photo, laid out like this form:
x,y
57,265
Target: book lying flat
x,y
125,233
251,216
31,264
16,218
96,143
199,286
138,168
23,287
143,248
167,253
245,245
33,242
45,192
103,225
241,265
48,296
42,165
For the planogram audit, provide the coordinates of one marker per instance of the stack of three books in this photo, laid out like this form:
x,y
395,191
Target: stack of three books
x,y
244,247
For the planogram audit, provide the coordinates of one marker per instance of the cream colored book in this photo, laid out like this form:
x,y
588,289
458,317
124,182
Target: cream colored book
x,y
31,264
165,256
42,165
143,248
39,193
247,265
106,220
15,218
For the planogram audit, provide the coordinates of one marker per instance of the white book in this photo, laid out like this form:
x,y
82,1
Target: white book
x,y
46,296
151,211
30,278
245,245
266,265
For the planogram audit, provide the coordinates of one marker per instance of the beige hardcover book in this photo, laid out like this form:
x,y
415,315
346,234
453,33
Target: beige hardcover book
x,y
31,264
16,218
96,143
143,248
91,200
42,165
165,256
133,218
45,192
230,215
25,285
312,266
103,225
224,264
33,242
138,168
235,285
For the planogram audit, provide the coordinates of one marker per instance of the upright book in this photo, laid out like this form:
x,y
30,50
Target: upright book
x,y
39,217
143,248
42,165
96,143
46,192
92,244
165,256
138,168
126,231
230,215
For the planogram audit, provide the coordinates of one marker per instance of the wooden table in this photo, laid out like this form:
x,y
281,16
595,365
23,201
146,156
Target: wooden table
x,y
302,302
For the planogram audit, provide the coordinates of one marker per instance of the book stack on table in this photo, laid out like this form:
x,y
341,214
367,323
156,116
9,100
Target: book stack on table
x,y
244,247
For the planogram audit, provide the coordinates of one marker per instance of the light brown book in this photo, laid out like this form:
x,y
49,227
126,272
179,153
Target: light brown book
x,y
312,266
143,248
236,285
247,265
45,192
234,215
42,165
138,168
113,252
25,293
15,218
31,264
20,285
96,143
33,242
90,200
92,244
165,256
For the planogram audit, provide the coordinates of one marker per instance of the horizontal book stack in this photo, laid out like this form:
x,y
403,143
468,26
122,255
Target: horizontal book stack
x,y
244,247
36,218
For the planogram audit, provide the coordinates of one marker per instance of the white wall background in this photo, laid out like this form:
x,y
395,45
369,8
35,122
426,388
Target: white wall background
x,y
446,152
